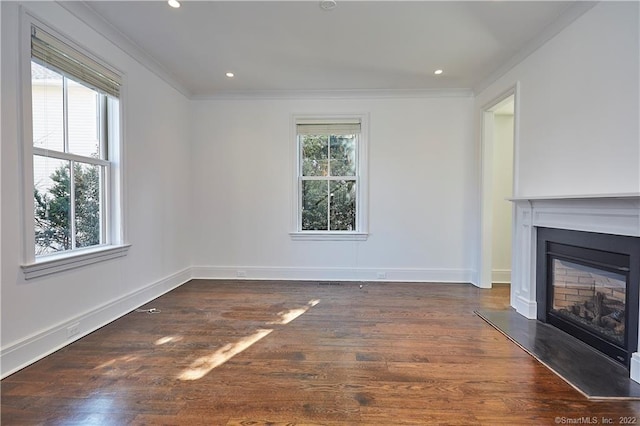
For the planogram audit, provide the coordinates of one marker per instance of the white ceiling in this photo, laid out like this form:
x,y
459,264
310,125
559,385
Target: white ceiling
x,y
360,45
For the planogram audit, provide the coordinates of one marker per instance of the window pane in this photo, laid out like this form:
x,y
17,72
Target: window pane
x,y
314,155
343,205
314,205
343,155
47,108
52,205
88,204
83,120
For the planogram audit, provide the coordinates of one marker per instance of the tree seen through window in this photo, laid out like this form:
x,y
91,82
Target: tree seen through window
x,y
329,182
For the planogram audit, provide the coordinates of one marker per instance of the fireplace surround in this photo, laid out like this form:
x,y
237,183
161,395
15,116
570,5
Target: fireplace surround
x,y
614,215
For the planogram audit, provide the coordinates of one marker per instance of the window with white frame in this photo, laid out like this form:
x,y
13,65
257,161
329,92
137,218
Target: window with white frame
x,y
330,178
74,145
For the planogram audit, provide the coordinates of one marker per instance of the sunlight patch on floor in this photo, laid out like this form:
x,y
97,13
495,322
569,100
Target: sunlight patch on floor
x,y
287,316
203,365
126,358
167,339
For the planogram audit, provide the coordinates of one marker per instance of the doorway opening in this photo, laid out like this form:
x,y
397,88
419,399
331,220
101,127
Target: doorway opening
x,y
498,153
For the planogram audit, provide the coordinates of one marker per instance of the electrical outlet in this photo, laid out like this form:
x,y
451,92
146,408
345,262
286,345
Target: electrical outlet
x,y
241,274
73,329
382,275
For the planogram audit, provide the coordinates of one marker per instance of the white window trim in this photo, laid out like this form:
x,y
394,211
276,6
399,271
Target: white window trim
x,y
328,236
116,246
66,261
362,201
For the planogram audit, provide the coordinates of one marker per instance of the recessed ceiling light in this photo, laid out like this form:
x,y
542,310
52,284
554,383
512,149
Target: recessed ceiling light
x,y
174,3
327,4
230,74
438,72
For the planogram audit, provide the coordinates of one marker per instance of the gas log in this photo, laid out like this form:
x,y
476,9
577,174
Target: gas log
x,y
601,311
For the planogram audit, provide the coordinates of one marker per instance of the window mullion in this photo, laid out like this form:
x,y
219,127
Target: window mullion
x,y
103,211
69,157
299,155
328,205
65,139
103,137
300,203
328,155
105,172
329,182
65,114
357,182
72,207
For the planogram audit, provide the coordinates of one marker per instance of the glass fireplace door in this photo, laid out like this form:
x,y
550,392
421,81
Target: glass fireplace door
x,y
591,298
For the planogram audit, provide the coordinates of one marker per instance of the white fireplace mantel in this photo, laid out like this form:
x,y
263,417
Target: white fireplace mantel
x,y
617,214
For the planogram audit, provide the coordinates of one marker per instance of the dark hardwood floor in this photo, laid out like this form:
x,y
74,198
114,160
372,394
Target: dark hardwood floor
x,y
302,353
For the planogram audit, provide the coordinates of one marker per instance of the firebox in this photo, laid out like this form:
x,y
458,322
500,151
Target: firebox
x,y
587,286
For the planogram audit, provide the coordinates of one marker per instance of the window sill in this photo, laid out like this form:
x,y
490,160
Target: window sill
x,y
67,261
328,236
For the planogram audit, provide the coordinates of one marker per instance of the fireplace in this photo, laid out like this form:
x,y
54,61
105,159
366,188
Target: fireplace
x,y
587,285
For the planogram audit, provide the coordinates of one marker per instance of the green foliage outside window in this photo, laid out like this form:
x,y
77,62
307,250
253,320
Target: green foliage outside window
x,y
328,204
53,210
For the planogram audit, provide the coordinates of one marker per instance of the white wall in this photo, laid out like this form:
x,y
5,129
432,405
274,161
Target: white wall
x,y
578,107
421,181
35,313
502,188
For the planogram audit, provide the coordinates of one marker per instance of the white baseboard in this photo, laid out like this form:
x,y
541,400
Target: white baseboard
x,y
28,350
337,274
525,307
502,276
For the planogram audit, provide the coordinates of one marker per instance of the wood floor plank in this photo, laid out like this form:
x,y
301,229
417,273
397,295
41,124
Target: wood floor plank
x,y
261,352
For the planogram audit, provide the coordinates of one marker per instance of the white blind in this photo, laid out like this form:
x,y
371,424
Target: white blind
x,y
328,128
53,53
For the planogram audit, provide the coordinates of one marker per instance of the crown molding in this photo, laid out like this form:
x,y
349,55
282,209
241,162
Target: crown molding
x,y
83,11
336,94
570,14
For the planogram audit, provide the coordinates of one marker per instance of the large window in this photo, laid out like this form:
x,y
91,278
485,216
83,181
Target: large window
x,y
74,154
70,163
330,178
